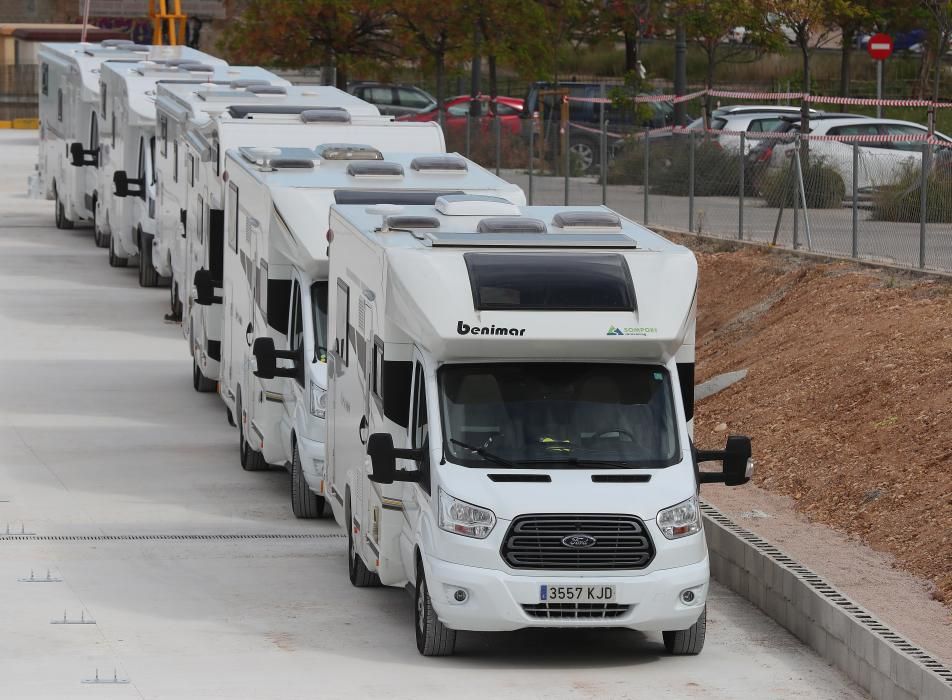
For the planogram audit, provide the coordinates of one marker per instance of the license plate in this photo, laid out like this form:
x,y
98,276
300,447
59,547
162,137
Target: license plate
x,y
577,594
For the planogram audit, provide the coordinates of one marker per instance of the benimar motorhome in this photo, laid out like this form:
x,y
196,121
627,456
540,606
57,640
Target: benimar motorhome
x,y
70,118
275,284
125,216
303,118
521,365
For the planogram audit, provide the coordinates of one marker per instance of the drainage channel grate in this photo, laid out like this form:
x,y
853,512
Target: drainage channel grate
x,y
824,589
155,538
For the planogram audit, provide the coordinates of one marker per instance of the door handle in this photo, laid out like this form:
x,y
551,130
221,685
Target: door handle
x,y
248,332
363,430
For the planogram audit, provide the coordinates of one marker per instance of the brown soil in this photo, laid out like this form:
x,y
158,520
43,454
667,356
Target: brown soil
x,y
848,399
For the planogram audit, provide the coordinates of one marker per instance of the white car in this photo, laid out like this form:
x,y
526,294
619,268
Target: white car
x,y
752,119
880,162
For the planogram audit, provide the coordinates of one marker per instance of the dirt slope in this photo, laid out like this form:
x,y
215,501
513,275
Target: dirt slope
x,y
848,399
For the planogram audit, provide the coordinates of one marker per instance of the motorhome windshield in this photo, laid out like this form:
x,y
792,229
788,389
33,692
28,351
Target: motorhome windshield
x,y
558,415
319,311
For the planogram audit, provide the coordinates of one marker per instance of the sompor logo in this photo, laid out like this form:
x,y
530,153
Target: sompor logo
x,y
466,329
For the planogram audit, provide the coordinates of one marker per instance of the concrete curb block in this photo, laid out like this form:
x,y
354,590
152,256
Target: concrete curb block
x,y
869,653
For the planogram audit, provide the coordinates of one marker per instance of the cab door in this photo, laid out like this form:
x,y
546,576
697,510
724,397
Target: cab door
x,y
416,496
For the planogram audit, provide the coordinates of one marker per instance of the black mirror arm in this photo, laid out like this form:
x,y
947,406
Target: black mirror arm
x,y
711,455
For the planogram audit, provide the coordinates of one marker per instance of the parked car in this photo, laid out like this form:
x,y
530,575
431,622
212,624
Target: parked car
x,y
456,110
753,119
880,162
584,118
396,100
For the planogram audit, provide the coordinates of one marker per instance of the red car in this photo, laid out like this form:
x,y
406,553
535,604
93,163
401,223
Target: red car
x,y
456,109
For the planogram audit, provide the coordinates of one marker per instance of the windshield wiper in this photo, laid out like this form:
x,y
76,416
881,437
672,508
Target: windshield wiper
x,y
581,463
488,456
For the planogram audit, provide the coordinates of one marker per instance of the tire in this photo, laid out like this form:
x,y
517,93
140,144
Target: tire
x,y
200,382
251,461
174,304
360,575
114,259
148,277
433,638
60,213
305,504
586,154
687,642
229,417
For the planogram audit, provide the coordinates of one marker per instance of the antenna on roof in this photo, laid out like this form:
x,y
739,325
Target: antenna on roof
x,y
386,211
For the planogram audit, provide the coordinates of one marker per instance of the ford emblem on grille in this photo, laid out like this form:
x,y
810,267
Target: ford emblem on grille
x,y
579,541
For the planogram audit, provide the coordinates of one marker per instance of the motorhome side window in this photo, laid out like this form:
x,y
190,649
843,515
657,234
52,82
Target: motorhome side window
x,y
93,132
59,104
233,206
140,170
319,320
164,134
376,370
45,78
190,170
216,152
152,154
420,423
200,224
175,160
343,321
261,288
114,130
103,90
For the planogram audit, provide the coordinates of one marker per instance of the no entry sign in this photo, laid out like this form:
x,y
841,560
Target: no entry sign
x,y
880,47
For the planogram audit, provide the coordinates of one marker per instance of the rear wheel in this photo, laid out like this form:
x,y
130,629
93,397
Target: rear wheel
x,y
114,259
433,638
200,382
360,575
305,504
687,642
251,460
585,155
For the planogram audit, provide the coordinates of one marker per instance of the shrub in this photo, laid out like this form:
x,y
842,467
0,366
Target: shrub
x,y
514,150
823,185
902,200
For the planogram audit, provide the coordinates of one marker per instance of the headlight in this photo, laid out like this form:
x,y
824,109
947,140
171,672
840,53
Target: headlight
x,y
681,520
464,518
318,401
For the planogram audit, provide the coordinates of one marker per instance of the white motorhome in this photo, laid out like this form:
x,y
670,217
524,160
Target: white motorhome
x,y
521,365
275,285
302,118
70,118
125,214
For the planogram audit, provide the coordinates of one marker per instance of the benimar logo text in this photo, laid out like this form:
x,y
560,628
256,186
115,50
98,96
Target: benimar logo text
x,y
640,330
466,329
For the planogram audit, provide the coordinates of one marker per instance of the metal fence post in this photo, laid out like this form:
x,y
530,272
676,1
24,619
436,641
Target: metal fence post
x,y
691,147
467,134
924,201
567,162
854,248
531,164
803,198
742,186
645,179
604,161
498,124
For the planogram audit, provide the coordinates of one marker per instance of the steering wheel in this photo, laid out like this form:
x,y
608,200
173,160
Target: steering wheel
x,y
620,431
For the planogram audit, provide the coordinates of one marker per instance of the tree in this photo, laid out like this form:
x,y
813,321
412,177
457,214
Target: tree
x,y
851,18
939,13
630,19
293,33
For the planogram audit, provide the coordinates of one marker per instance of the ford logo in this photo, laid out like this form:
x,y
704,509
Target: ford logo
x,y
579,541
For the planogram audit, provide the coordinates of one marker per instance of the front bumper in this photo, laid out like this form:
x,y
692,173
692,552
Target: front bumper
x,y
495,598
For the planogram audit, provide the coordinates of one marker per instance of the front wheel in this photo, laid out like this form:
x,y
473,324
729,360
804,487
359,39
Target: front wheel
x,y
305,504
360,575
200,382
687,642
433,638
62,222
114,259
251,460
148,277
584,154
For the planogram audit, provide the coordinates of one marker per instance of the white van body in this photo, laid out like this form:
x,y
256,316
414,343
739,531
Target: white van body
x,y
70,113
240,125
127,138
275,284
529,383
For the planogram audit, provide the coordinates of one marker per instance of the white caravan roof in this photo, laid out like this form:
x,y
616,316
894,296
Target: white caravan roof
x,y
140,80
456,283
303,195
86,58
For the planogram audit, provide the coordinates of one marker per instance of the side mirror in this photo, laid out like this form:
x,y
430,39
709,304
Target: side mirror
x,y
77,156
267,356
120,183
383,456
738,466
205,288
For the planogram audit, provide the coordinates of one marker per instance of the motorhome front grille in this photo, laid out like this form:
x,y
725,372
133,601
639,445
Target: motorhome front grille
x,y
576,611
577,543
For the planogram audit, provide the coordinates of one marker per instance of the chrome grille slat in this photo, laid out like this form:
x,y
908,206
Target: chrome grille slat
x,y
536,542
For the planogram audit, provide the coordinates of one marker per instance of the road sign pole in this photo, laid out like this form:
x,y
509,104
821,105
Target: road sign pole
x,y
879,89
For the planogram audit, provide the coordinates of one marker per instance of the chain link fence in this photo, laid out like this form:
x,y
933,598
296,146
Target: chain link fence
x,y
878,199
